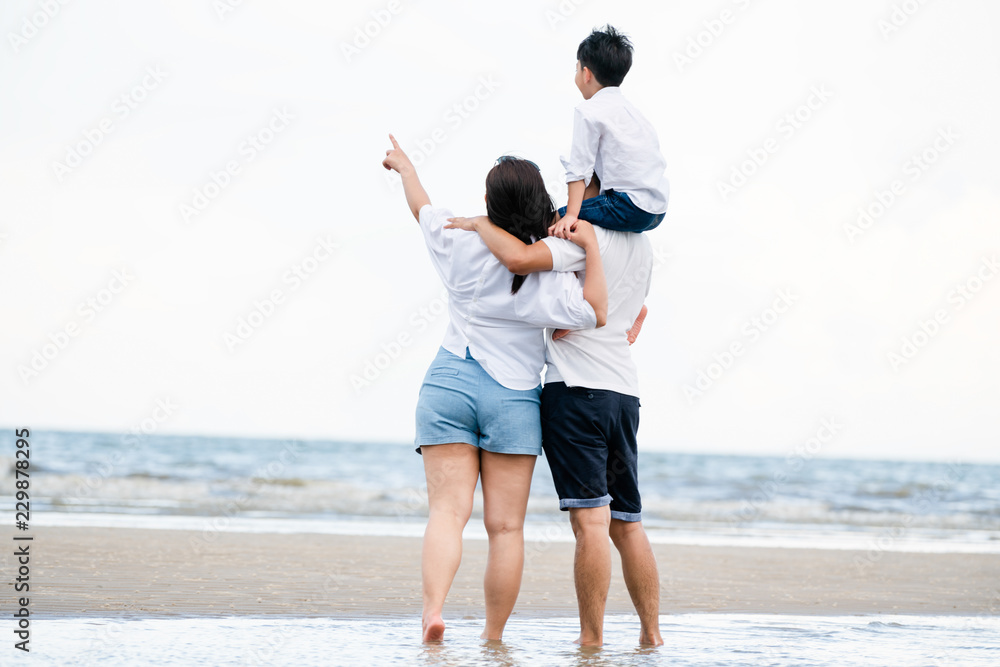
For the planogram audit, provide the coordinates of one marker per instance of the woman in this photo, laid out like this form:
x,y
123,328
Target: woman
x,y
478,411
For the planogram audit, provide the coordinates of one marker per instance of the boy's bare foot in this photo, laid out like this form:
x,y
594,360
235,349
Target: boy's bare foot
x,y
433,629
633,333
559,333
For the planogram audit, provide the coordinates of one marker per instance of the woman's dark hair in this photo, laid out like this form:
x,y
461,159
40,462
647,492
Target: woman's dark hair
x,y
517,201
607,54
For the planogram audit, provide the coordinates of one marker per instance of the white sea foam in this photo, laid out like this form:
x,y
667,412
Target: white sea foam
x,y
555,529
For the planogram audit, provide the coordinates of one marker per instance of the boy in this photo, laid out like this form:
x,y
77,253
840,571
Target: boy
x,y
615,170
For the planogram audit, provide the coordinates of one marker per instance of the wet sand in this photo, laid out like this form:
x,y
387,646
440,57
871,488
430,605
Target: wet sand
x,y
169,573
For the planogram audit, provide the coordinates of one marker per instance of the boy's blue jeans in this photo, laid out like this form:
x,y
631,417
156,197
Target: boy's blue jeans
x,y
614,210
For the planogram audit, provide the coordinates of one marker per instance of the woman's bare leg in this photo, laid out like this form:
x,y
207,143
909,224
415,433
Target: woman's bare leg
x,y
452,471
506,482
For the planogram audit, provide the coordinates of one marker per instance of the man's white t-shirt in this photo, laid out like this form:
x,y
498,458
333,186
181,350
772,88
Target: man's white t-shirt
x,y
503,331
600,358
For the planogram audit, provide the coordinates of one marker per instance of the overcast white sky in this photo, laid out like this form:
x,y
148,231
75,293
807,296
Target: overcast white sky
x,y
297,105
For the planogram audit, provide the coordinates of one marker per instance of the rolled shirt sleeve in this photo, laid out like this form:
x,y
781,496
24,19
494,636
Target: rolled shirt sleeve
x,y
553,299
566,255
438,239
583,153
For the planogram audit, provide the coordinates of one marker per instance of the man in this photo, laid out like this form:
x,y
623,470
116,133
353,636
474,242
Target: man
x,y
590,414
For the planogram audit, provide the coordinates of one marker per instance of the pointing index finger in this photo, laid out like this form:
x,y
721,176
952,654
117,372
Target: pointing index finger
x,y
393,140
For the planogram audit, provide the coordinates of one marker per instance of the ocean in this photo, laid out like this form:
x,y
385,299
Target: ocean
x,y
348,488
263,485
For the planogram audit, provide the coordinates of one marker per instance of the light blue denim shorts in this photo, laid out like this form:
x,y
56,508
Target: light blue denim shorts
x,y
460,402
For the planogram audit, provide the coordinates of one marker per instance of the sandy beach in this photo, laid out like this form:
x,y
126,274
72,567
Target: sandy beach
x,y
169,573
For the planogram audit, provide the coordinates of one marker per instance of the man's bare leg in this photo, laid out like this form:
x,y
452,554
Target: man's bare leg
x,y
452,471
591,570
506,481
641,576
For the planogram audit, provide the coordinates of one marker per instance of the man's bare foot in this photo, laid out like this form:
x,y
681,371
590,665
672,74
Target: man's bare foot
x,y
559,333
633,333
591,643
650,638
433,629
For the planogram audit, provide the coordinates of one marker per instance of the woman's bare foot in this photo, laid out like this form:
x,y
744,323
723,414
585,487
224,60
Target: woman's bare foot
x,y
433,629
633,333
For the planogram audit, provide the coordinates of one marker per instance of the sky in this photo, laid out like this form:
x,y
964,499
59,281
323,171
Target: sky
x,y
197,235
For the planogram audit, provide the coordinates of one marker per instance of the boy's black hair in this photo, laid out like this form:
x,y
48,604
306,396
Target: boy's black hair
x,y
607,54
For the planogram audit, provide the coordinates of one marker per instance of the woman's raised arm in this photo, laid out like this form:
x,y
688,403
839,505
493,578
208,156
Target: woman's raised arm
x,y
397,160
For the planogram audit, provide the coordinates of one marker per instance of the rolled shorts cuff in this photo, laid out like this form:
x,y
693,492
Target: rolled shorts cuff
x,y
513,450
626,516
459,437
575,503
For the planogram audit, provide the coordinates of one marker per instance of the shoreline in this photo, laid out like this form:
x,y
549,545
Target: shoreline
x,y
152,573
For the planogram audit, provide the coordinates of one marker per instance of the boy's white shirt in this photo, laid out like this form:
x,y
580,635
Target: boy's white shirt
x,y
612,138
601,358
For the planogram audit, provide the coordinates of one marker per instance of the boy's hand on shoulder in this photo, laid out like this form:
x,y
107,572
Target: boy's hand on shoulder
x,y
467,224
582,234
563,226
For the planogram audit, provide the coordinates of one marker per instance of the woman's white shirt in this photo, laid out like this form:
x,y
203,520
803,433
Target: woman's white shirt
x,y
503,331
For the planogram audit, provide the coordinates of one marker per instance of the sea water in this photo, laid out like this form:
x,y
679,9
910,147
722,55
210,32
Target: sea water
x,y
270,485
282,486
690,639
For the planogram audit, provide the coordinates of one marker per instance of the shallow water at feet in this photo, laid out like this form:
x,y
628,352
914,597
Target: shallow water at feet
x,y
691,639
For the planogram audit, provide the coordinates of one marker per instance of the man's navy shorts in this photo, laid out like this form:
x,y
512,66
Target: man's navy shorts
x,y
589,440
